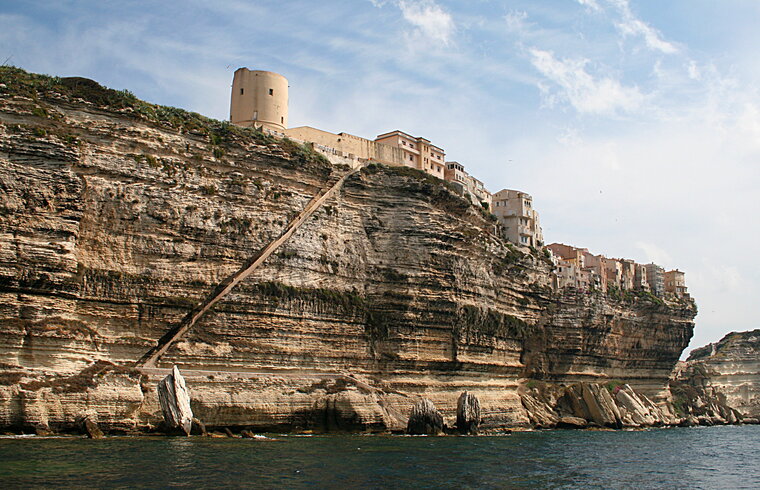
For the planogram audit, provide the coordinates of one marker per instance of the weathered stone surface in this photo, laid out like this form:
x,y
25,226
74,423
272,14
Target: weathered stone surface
x,y
601,407
726,374
113,226
634,411
568,422
468,413
91,429
175,402
425,419
198,428
541,415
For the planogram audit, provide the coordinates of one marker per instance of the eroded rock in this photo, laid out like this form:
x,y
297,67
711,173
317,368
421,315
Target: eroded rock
x,y
568,422
540,414
175,402
468,413
425,419
90,427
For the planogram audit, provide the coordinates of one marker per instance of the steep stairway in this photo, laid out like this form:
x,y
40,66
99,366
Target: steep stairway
x,y
228,284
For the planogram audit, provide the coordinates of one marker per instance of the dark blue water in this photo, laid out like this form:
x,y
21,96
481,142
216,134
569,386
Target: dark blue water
x,y
715,457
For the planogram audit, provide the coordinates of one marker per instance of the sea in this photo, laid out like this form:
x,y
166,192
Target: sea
x,y
701,457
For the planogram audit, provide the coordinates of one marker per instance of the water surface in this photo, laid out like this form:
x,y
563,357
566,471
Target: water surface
x,y
714,457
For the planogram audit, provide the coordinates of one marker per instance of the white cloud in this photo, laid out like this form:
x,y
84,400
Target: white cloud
x,y
516,20
590,4
630,25
431,22
584,92
694,72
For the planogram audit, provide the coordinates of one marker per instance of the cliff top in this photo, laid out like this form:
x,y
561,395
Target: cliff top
x,y
44,88
732,343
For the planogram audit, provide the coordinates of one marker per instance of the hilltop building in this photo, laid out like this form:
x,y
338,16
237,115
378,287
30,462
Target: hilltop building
x,y
656,279
417,152
259,98
578,268
515,212
675,283
348,145
469,185
640,281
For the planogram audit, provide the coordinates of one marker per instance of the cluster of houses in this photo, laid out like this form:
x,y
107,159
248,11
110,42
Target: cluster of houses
x,y
260,99
580,269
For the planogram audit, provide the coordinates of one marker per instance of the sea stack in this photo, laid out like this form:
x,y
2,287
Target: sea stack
x,y
175,402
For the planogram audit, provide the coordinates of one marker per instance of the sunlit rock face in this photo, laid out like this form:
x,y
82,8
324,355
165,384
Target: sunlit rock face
x,y
729,371
114,225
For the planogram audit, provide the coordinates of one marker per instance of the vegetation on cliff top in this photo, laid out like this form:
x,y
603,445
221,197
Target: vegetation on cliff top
x,y
38,87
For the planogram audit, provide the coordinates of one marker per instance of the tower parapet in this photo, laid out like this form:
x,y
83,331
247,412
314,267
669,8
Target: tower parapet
x,y
259,98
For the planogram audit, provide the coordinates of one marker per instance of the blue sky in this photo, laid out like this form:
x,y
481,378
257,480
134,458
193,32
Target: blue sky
x,y
634,124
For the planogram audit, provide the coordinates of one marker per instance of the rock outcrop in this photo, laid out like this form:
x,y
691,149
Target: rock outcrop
x,y
468,413
174,399
118,217
724,373
424,419
582,404
91,429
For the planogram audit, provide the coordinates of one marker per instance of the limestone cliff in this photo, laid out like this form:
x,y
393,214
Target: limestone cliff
x,y
726,372
119,216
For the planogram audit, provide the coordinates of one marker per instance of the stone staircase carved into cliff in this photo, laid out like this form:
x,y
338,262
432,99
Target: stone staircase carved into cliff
x,y
228,284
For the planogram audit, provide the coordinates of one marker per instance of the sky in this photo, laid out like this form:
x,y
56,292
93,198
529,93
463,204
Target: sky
x,y
634,124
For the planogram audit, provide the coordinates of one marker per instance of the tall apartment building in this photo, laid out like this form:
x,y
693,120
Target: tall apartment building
x,y
416,152
515,212
656,279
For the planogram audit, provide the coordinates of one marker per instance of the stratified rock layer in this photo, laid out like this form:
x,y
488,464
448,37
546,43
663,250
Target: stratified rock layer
x,y
116,220
725,373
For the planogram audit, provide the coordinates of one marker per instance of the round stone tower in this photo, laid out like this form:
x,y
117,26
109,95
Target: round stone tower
x,y
259,98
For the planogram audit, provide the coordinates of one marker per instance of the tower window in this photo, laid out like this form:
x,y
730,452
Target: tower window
x,y
282,119
271,91
241,91
255,115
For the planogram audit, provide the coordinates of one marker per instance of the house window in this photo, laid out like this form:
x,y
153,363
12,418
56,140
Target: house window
x,y
271,91
411,146
241,91
411,157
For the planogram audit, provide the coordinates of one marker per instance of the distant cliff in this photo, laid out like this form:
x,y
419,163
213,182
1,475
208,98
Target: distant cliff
x,y
727,372
119,216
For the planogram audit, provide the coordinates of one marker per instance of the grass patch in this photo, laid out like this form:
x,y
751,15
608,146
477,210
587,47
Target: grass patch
x,y
613,385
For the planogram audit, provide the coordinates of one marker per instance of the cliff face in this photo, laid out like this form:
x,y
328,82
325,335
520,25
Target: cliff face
x,y
727,371
118,217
